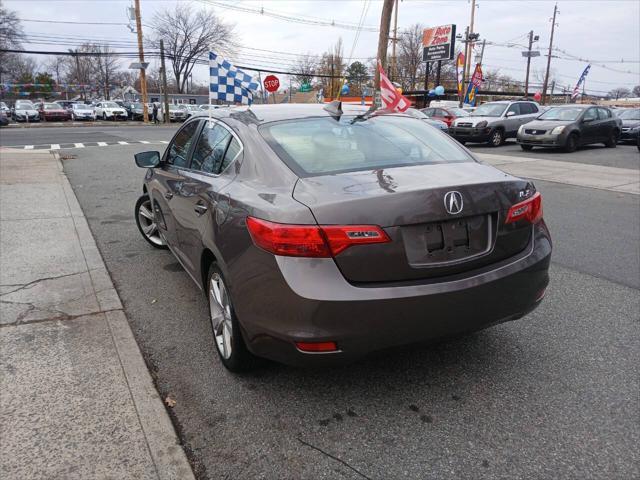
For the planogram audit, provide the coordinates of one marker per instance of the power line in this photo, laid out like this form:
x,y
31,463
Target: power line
x,y
70,22
305,20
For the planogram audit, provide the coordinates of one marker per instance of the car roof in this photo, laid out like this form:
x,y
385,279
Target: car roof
x,y
259,114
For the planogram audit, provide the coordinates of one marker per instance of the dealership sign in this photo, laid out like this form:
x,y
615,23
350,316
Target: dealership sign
x,y
438,43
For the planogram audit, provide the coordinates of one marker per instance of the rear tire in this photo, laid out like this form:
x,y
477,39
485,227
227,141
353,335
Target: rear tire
x,y
612,141
227,335
526,148
572,143
146,222
497,138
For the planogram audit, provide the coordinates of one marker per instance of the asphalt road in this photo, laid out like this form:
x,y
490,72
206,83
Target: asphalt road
x,y
553,395
18,137
623,156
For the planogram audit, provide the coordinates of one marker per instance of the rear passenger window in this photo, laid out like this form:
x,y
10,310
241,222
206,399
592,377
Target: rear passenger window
x,y
209,151
233,150
515,108
603,113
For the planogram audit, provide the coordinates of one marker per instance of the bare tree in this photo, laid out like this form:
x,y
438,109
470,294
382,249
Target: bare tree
x,y
104,67
409,63
305,68
188,36
16,66
332,63
620,92
57,65
11,33
636,91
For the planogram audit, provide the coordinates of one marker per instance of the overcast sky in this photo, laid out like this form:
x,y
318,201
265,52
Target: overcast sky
x,y
601,31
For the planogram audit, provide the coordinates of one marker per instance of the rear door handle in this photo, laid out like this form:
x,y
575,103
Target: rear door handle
x,y
168,195
200,209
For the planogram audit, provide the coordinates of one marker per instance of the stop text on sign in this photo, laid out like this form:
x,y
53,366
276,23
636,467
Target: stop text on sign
x,y
271,83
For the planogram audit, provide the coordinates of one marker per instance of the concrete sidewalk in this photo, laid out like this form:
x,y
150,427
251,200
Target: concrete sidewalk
x,y
76,398
624,180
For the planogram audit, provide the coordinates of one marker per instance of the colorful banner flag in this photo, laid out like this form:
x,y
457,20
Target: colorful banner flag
x,y
391,98
576,91
459,72
474,86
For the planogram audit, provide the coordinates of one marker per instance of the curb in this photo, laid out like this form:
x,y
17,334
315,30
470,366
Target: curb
x,y
164,445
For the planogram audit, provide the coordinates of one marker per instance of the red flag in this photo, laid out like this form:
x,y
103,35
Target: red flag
x,y
391,98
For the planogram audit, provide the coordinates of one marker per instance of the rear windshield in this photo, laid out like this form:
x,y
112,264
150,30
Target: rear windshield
x,y
318,146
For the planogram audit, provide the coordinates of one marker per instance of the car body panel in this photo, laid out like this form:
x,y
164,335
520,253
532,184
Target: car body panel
x,y
279,300
468,129
538,133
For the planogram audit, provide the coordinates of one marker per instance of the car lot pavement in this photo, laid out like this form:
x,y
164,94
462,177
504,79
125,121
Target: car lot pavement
x,y
76,399
623,156
553,395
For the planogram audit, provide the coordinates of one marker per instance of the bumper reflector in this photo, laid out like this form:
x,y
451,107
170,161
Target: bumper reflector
x,y
316,347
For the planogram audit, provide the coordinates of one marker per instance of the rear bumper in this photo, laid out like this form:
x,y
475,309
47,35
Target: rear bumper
x,y
287,300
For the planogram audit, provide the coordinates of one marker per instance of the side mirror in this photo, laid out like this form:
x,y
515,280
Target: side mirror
x,y
587,120
510,114
147,159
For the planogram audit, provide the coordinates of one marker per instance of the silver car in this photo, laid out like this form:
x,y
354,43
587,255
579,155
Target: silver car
x,y
493,122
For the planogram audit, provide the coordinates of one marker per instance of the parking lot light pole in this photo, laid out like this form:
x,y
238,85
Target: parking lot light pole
x,y
143,75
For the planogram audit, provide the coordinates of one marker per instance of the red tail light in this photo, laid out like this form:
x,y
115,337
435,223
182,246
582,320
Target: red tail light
x,y
317,347
530,210
320,241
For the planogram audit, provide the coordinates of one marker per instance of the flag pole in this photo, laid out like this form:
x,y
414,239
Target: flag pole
x,y
209,89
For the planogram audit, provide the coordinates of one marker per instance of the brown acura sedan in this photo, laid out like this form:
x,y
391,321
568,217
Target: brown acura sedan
x,y
320,235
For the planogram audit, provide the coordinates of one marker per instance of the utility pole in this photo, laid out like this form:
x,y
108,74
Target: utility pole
x,y
331,82
84,93
526,78
383,39
484,42
143,74
546,76
394,40
164,83
469,44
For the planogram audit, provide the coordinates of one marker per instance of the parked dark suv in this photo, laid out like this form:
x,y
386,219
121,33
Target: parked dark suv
x,y
570,126
319,235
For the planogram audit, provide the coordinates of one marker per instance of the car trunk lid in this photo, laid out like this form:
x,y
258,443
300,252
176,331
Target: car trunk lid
x,y
409,204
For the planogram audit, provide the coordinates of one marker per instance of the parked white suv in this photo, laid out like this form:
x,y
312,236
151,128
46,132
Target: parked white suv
x,y
110,111
493,122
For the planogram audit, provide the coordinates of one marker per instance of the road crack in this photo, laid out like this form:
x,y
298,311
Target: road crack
x,y
25,286
333,457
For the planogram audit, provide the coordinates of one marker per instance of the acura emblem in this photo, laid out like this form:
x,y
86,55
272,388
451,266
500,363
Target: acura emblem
x,y
453,202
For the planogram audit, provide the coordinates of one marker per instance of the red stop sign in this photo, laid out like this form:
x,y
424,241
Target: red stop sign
x,y
271,83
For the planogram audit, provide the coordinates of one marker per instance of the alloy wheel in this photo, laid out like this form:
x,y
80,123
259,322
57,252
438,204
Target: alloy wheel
x,y
496,138
221,320
148,223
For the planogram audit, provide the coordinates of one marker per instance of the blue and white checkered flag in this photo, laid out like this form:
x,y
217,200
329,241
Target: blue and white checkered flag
x,y
228,83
